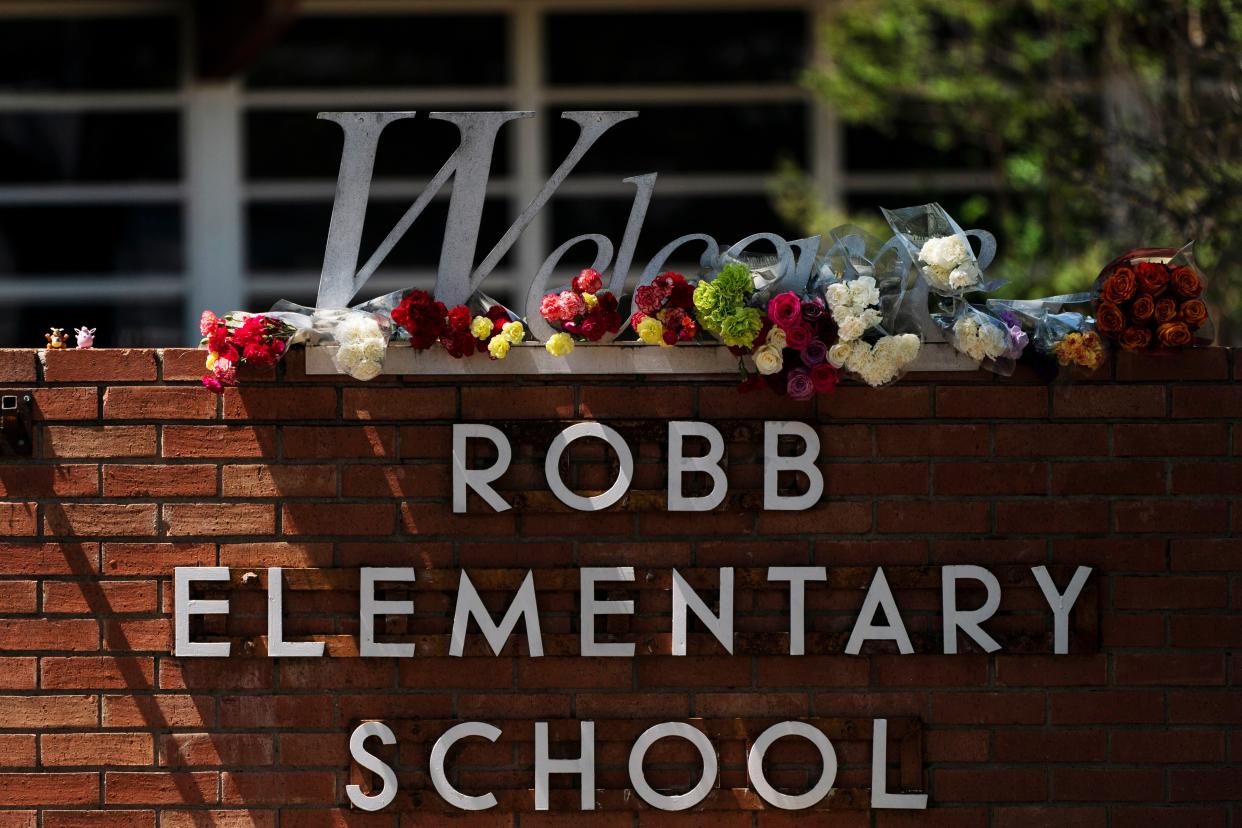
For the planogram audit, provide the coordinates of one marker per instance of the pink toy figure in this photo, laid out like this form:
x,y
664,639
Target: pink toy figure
x,y
86,337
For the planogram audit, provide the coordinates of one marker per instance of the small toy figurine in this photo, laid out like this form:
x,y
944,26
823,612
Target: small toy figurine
x,y
56,338
86,337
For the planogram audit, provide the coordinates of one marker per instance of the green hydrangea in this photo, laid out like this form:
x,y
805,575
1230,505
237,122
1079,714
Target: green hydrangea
x,y
721,306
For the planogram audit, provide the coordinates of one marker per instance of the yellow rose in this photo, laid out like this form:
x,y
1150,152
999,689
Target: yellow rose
x,y
481,327
514,332
768,360
211,360
590,300
651,331
560,344
498,347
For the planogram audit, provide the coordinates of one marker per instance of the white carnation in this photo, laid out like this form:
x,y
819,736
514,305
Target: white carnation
x,y
964,276
852,328
362,346
908,346
863,292
870,318
945,252
937,277
838,293
979,342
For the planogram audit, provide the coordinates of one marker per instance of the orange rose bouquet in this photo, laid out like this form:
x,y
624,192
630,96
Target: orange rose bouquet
x,y
1151,298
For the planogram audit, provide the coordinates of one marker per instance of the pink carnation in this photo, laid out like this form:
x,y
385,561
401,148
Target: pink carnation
x,y
207,322
572,304
551,309
588,281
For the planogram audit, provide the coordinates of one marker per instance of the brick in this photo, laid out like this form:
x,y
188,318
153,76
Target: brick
x,y
98,597
1181,517
160,403
1206,554
990,785
99,365
1051,517
89,672
49,711
1207,402
996,403
99,519
1104,784
845,440
400,404
1123,402
1108,477
1010,478
284,788
49,481
46,788
420,480
1049,816
669,402
280,481
1165,669
426,441
159,788
1207,478
1191,364
111,818
65,403
1051,440
49,558
1170,439
1073,707
314,442
142,480
183,364
215,519
338,519
155,558
1170,592
430,519
18,365
1160,747
1119,555
232,818
939,440
44,634
86,749
933,516
988,708
99,441
231,442
288,404
1029,670
844,479
1201,785
19,519
962,670
159,711
19,597
211,749
1049,746
18,750
840,517
1205,631
545,402
900,402
258,555
1164,816
1205,707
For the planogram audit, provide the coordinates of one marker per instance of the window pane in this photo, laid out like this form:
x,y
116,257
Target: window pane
x,y
728,219
429,50
85,53
90,239
129,324
90,146
295,144
291,236
678,139
676,47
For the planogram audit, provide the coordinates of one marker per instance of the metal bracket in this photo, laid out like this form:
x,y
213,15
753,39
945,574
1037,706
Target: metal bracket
x,y
15,429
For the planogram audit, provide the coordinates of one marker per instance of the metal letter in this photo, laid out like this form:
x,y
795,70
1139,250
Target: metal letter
x,y
439,752
774,464
479,479
968,620
709,464
685,597
880,797
184,606
588,576
370,607
358,751
797,577
677,802
552,467
277,647
584,765
470,604
790,802
879,596
1061,604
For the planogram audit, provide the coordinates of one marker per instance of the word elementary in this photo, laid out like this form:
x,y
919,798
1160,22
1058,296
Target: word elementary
x,y
879,619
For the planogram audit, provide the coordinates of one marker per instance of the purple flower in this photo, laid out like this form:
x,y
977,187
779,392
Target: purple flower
x,y
812,310
799,385
814,353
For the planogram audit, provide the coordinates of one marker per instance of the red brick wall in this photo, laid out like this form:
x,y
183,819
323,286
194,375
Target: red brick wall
x,y
137,471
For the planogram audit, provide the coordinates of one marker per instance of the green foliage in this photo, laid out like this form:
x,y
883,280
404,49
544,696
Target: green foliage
x,y
1107,124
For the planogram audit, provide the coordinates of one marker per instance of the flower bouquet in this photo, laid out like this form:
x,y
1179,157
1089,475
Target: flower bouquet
x,y
791,351
665,314
1150,298
723,307
942,251
1066,340
586,311
237,339
991,342
459,330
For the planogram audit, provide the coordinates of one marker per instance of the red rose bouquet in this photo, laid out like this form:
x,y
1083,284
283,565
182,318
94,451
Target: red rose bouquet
x,y
586,311
790,352
1150,298
237,339
665,311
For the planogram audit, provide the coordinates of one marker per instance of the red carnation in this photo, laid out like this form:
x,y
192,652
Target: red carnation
x,y
459,318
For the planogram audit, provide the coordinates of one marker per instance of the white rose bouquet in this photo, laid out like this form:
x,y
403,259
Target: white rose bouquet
x,y
362,342
942,250
982,337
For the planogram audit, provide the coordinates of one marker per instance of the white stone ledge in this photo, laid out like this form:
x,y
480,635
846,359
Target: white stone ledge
x,y
629,358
